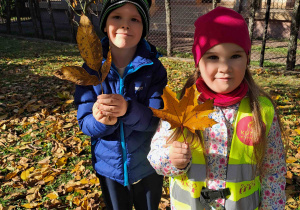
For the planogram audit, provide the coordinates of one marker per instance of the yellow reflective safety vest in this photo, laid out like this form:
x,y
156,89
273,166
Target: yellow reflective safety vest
x,y
244,185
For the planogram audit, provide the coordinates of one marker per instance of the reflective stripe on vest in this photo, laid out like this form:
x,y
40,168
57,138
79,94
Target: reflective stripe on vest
x,y
243,184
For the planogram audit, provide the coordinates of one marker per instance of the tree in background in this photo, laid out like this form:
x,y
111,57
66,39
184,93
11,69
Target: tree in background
x,y
292,46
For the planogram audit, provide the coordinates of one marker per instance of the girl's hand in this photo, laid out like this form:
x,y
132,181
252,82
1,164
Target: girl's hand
x,y
113,105
104,119
180,154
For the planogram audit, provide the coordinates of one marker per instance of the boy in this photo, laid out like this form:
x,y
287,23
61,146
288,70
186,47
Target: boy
x,y
120,121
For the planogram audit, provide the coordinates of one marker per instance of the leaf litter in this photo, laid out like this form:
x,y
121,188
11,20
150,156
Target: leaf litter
x,y
45,158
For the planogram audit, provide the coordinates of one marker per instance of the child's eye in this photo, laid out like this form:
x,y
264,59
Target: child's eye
x,y
235,56
116,17
134,20
212,57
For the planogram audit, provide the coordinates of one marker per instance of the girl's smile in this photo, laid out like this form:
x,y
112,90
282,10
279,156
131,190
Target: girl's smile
x,y
223,67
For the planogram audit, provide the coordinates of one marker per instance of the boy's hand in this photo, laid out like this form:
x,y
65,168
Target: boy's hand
x,y
113,105
180,154
106,120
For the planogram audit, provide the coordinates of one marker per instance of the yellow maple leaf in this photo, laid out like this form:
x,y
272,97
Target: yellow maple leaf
x,y
186,112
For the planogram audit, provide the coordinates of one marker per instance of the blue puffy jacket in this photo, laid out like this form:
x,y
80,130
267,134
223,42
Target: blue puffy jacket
x,y
120,151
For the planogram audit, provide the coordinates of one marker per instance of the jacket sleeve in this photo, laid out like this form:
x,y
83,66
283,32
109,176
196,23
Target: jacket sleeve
x,y
140,117
273,180
159,153
85,97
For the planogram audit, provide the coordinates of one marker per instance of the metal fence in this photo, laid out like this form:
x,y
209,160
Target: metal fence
x,y
183,15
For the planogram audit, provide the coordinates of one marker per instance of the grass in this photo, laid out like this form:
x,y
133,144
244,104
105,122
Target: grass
x,y
43,152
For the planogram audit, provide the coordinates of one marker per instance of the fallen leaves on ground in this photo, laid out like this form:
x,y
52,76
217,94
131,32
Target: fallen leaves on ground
x,y
43,152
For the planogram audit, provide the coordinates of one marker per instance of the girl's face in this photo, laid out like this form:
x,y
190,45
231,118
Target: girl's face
x,y
124,27
223,67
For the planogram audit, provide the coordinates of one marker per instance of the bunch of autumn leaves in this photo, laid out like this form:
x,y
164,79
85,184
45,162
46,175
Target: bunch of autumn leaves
x,y
184,113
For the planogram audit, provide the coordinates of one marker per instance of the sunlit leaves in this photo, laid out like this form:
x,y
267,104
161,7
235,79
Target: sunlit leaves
x,y
77,75
186,112
89,44
90,48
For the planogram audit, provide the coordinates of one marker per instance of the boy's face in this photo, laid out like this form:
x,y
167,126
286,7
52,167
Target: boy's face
x,y
124,27
223,67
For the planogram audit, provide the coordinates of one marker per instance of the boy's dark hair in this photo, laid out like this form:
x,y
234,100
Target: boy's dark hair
x,y
142,6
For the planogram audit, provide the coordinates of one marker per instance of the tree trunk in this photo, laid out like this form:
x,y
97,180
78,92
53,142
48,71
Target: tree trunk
x,y
8,16
39,18
18,16
265,35
214,4
71,16
292,46
33,17
241,2
251,21
169,27
52,20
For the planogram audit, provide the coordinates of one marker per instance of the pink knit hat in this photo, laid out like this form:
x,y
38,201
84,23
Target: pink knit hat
x,y
221,25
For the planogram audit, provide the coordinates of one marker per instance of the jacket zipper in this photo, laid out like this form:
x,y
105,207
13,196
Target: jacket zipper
x,y
124,155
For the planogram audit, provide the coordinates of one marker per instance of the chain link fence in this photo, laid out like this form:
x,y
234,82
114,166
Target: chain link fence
x,y
183,15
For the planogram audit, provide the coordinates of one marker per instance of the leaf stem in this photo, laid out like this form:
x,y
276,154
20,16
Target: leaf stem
x,y
181,127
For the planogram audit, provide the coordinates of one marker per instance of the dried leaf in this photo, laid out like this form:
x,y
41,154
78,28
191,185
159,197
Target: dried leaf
x,y
11,175
89,44
52,195
48,179
62,161
291,159
186,112
25,174
31,205
77,75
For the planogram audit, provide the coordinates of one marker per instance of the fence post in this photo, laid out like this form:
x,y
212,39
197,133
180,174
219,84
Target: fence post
x,y
169,27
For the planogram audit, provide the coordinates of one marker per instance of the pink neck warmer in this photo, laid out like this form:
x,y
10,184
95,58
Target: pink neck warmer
x,y
221,99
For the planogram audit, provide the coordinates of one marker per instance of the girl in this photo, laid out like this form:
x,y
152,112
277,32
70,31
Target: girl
x,y
239,162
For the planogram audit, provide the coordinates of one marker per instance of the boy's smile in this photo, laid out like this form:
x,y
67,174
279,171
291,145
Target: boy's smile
x,y
124,27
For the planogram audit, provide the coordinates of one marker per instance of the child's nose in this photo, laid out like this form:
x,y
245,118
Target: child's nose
x,y
125,24
224,66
